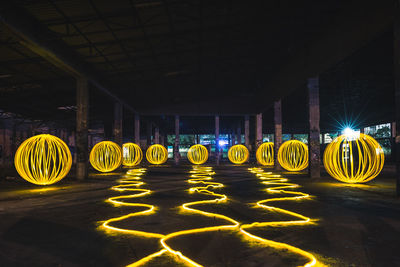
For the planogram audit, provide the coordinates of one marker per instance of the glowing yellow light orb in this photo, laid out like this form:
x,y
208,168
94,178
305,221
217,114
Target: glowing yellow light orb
x,y
106,156
197,154
265,154
293,155
157,154
43,159
354,159
131,154
238,154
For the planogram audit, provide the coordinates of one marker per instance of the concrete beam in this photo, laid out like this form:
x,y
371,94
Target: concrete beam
x,y
42,41
156,135
217,156
358,23
117,131
396,61
313,137
137,129
278,132
149,133
177,155
82,117
239,134
247,131
259,138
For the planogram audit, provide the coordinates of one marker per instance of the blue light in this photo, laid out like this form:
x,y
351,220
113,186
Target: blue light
x,y
222,142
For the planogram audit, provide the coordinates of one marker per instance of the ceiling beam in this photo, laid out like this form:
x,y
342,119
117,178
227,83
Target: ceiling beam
x,y
359,23
45,43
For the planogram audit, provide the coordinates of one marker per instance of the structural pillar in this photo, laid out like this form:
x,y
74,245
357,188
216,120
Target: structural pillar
x,y
247,130
137,129
118,123
396,61
313,137
162,138
149,133
258,131
238,135
197,139
217,138
156,135
278,131
176,144
82,111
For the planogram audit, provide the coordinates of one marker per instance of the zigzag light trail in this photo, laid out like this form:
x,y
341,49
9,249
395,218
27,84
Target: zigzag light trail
x,y
129,184
279,185
200,177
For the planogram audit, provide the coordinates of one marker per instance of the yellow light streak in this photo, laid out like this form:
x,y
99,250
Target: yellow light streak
x,y
130,183
238,154
280,185
293,155
200,179
265,154
157,154
354,160
43,159
197,154
106,156
132,154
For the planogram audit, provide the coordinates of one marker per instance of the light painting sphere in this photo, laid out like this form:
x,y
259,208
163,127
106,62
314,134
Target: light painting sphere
x,y
265,154
43,159
157,154
132,154
238,154
354,159
197,154
293,155
106,156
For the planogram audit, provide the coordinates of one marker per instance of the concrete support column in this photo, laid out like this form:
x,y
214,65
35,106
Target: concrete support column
x,y
313,137
81,142
233,138
239,135
137,129
258,131
118,109
177,156
149,133
396,61
392,142
197,139
278,131
156,135
247,130
217,156
162,139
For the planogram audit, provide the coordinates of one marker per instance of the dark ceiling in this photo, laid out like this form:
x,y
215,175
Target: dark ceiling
x,y
201,58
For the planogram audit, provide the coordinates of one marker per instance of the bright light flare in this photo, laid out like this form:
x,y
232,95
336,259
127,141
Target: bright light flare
x,y
350,133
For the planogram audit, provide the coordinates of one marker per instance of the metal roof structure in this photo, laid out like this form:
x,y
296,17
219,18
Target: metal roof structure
x,y
196,58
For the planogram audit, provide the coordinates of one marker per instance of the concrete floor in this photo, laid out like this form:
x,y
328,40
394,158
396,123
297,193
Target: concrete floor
x,y
59,225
